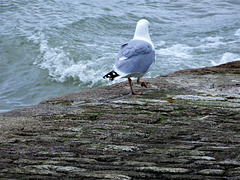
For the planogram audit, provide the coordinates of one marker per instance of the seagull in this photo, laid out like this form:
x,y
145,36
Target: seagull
x,y
135,57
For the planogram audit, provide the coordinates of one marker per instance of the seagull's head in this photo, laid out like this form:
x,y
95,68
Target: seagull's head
x,y
143,23
142,30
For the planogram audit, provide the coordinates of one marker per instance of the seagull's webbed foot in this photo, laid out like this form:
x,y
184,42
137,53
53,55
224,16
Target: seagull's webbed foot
x,y
136,93
133,92
143,84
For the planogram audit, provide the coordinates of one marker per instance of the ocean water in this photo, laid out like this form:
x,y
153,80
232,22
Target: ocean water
x,y
54,47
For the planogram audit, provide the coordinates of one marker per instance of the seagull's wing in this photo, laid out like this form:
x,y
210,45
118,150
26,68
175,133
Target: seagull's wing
x,y
134,57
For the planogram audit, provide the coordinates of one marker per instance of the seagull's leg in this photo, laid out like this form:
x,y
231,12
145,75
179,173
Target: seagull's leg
x,y
130,84
143,84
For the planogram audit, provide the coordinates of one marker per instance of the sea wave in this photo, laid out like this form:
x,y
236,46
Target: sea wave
x,y
183,56
237,33
62,66
185,51
177,50
226,57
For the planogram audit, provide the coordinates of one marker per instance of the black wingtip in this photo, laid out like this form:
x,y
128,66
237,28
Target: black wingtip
x,y
111,75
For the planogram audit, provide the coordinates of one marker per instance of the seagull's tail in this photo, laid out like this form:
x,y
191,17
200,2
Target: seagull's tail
x,y
111,75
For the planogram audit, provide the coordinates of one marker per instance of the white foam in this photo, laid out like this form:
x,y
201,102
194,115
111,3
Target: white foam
x,y
160,43
226,57
210,43
237,33
212,39
61,66
177,50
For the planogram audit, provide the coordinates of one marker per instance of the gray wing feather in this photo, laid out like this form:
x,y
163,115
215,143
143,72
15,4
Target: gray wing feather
x,y
137,57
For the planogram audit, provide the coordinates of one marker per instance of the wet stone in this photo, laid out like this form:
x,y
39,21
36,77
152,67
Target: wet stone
x,y
230,162
163,170
235,172
121,148
212,172
208,158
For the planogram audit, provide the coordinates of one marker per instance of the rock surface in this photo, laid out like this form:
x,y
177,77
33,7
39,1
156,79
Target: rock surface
x,y
185,126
